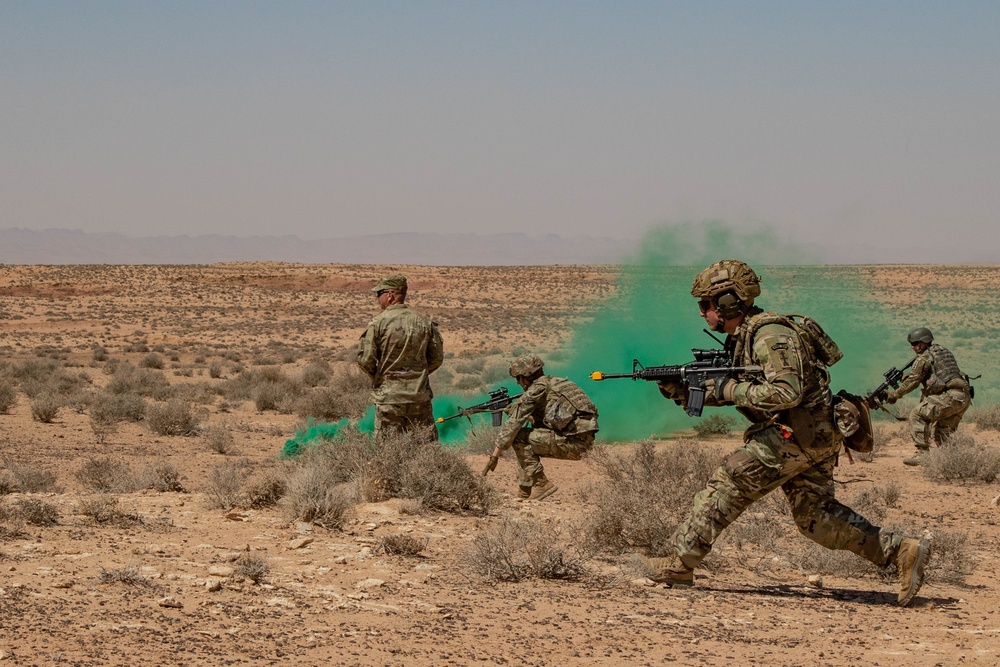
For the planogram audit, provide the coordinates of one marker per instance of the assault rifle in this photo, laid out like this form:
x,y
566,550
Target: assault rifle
x,y
707,365
893,377
499,400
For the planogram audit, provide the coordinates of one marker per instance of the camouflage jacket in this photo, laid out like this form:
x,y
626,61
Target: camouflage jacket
x,y
935,369
399,350
792,376
550,402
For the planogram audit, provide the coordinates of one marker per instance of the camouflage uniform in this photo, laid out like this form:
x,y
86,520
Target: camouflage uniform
x,y
399,350
791,444
944,397
563,419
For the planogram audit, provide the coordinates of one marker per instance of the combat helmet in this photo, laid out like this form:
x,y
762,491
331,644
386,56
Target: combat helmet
x,y
729,276
920,335
525,366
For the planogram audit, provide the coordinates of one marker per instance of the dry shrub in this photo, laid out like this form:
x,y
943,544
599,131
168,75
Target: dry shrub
x,y
162,476
45,408
353,388
439,478
151,360
515,549
715,424
952,558
225,484
8,396
760,527
128,575
962,459
103,509
264,488
987,418
316,373
107,408
107,475
400,545
26,479
127,379
174,417
480,438
320,403
251,567
645,493
314,498
34,512
219,438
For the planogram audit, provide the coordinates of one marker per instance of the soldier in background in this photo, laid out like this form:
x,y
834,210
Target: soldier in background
x,y
562,420
791,443
399,350
945,397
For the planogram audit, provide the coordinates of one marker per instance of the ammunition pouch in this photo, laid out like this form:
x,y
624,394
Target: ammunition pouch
x,y
802,423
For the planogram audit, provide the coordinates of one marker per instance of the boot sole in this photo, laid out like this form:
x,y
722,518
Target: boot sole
x,y
917,573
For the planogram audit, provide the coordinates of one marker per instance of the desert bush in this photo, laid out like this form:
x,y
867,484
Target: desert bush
x,y
987,418
45,408
715,424
99,353
952,558
515,549
151,360
437,477
962,459
264,488
103,509
644,494
353,388
8,396
127,379
215,370
174,417
219,438
128,575
36,512
107,475
225,484
472,366
312,496
251,567
399,544
480,438
162,476
316,373
320,403
110,408
27,479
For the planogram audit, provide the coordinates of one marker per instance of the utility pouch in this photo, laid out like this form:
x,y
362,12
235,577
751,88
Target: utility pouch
x,y
803,425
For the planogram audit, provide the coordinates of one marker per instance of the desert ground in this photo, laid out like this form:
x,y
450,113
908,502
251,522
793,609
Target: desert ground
x,y
96,572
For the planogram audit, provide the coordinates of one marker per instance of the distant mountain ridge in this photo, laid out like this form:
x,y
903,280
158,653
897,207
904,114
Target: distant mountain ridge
x,y
66,246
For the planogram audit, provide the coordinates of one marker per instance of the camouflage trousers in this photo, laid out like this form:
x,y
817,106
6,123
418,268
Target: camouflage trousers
x,y
765,463
404,418
939,414
530,444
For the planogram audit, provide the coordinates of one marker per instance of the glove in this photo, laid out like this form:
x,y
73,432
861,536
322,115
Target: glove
x,y
890,397
491,465
675,391
721,389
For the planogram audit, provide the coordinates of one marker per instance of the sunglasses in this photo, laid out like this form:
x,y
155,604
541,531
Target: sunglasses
x,y
705,305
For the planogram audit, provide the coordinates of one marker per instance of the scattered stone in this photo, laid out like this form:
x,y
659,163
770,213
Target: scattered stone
x,y
303,527
300,542
213,584
369,583
643,581
340,560
170,602
815,580
995,502
220,570
65,583
237,516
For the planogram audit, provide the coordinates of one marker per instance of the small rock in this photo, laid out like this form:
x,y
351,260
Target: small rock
x,y
643,581
172,603
300,542
340,560
303,527
220,570
369,583
995,502
237,516
65,583
213,584
815,580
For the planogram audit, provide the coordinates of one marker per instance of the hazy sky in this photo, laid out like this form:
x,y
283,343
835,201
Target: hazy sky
x,y
875,123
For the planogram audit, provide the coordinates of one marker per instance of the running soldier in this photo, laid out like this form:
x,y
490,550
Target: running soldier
x,y
790,444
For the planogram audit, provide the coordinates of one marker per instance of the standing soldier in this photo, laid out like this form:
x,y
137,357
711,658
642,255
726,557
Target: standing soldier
x,y
399,350
945,396
790,444
562,419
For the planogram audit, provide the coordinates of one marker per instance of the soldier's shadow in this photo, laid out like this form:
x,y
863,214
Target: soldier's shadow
x,y
879,598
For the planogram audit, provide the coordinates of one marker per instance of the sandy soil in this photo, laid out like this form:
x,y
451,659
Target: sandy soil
x,y
329,597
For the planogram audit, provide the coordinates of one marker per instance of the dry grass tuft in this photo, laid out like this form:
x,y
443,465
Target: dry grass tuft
x,y
515,549
400,545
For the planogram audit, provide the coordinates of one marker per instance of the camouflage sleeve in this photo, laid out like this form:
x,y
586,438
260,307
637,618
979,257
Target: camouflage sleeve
x,y
919,372
367,354
778,349
435,350
519,413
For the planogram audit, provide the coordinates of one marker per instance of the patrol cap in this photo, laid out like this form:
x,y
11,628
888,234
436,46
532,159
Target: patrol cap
x,y
392,283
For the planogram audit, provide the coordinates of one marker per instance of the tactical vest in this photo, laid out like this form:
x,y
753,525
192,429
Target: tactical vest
x,y
945,373
565,403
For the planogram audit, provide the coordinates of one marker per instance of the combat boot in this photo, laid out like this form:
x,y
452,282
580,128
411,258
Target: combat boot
x,y
670,571
911,557
916,459
542,489
524,491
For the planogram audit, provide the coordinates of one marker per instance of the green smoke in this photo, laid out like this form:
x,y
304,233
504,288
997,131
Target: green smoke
x,y
655,319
